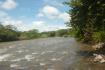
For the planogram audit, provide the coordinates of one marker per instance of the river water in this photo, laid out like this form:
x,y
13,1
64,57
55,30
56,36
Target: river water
x,y
45,54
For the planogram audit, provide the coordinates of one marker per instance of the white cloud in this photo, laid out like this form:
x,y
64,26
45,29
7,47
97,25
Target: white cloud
x,y
17,23
3,16
53,28
65,17
8,4
40,25
50,10
5,19
53,13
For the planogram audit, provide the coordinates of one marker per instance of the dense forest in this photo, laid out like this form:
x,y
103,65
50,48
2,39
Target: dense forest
x,y
87,20
10,33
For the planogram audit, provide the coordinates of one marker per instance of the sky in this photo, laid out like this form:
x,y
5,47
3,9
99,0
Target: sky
x,y
44,15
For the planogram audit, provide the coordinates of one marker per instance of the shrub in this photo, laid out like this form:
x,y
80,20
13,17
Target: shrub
x,y
99,36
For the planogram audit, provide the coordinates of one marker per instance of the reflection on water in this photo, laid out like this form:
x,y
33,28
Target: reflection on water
x,y
45,54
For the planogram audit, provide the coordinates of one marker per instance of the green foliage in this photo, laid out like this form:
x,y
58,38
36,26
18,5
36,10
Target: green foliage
x,y
48,34
87,19
32,34
62,33
7,33
99,36
57,33
10,33
51,34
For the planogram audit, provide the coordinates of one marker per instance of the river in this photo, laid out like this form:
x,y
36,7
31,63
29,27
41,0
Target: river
x,y
45,54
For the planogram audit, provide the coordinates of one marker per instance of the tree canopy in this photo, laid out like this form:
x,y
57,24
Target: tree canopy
x,y
88,19
10,33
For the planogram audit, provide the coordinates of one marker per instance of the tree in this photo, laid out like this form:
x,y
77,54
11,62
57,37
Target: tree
x,y
31,34
62,32
7,33
87,19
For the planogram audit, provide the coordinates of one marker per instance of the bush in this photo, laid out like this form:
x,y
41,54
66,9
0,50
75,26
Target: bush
x,y
98,36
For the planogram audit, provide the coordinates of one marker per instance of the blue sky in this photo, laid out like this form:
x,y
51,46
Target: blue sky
x,y
44,15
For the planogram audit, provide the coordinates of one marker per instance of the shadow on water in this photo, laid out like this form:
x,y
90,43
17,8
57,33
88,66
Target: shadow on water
x,y
90,53
85,53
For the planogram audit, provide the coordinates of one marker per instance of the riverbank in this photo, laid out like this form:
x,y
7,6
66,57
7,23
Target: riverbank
x,y
95,53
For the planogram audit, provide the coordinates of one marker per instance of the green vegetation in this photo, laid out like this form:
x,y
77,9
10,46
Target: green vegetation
x,y
57,33
87,20
31,34
10,33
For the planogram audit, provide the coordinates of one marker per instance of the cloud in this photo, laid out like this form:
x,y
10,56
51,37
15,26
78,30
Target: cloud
x,y
40,25
17,23
22,26
49,11
8,4
53,13
53,28
65,16
43,26
3,16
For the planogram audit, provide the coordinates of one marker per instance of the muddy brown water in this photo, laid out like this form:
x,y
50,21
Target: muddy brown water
x,y
45,54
